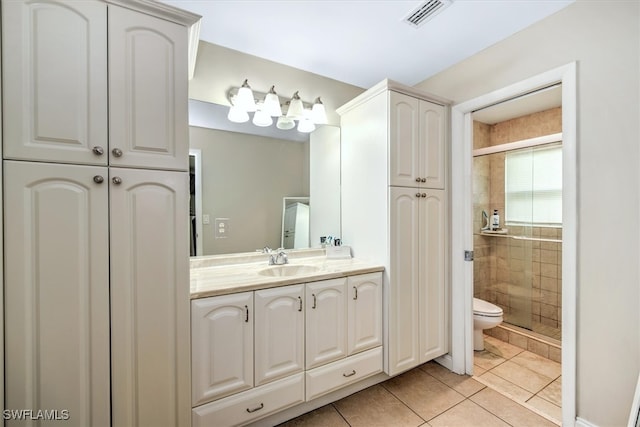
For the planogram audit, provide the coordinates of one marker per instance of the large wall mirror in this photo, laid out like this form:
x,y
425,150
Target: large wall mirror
x,y
251,185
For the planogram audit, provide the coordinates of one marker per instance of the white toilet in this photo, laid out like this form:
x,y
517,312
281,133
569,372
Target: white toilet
x,y
485,316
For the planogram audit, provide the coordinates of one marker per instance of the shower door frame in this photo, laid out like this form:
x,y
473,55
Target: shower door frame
x,y
460,358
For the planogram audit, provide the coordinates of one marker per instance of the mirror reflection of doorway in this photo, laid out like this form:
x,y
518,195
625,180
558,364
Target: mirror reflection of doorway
x,y
195,202
295,223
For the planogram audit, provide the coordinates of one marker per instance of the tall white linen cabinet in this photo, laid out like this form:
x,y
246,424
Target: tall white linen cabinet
x,y
394,155
95,191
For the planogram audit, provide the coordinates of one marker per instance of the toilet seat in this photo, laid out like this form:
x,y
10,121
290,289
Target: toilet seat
x,y
485,309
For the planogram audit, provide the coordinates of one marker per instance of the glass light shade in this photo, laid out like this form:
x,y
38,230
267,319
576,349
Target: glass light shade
x,y
244,99
318,113
306,125
285,123
237,114
296,109
262,119
272,104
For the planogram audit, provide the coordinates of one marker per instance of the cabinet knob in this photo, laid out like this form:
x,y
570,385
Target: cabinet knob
x,y
417,194
423,179
424,194
116,180
98,179
418,179
116,152
98,151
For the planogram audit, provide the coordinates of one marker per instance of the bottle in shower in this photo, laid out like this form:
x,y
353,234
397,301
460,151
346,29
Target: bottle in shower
x,y
495,220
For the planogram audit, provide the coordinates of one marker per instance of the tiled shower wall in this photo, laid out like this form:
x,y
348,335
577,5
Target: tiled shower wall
x,y
518,275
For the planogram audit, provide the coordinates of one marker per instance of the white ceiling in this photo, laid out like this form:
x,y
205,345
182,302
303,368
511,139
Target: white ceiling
x,y
363,42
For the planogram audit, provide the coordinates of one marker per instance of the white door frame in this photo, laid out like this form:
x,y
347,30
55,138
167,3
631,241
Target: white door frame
x,y
197,154
462,226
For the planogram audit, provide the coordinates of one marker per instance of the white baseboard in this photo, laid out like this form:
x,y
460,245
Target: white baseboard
x,y
584,423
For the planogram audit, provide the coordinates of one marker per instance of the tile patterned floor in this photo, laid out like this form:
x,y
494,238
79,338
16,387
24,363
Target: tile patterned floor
x,y
510,387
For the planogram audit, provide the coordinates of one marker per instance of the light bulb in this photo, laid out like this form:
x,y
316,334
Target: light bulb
x,y
285,123
262,119
244,99
272,103
237,114
305,124
295,107
318,113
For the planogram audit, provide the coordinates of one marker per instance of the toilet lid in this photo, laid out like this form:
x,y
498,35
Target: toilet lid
x,y
486,308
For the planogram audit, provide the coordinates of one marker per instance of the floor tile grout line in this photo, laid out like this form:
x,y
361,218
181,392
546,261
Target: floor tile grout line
x,y
404,403
523,404
340,413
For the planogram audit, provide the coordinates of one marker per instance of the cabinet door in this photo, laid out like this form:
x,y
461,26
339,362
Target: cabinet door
x,y
148,120
433,302
326,322
404,280
57,290
55,107
150,327
279,333
404,140
222,346
432,145
365,312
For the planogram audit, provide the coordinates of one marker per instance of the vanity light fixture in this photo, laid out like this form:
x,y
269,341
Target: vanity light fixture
x,y
266,106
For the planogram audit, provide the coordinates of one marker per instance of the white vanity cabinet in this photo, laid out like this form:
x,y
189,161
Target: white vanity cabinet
x,y
107,251
94,57
327,315
399,219
223,324
279,332
364,314
326,320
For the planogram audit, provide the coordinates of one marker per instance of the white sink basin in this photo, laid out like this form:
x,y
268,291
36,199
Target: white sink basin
x,y
288,270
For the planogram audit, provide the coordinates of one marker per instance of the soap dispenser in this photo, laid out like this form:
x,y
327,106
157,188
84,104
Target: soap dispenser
x,y
495,220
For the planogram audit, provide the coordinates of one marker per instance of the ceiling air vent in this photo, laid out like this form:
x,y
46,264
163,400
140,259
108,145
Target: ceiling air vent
x,y
426,11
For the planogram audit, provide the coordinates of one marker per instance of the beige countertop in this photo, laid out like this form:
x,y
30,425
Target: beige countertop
x,y
216,278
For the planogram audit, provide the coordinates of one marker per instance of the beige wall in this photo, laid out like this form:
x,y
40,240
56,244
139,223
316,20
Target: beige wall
x,y
218,69
244,178
604,38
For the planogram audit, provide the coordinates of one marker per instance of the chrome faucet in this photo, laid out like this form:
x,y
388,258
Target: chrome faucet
x,y
278,258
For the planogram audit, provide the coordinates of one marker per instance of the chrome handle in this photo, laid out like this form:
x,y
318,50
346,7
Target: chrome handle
x,y
255,409
98,179
116,180
116,152
314,301
418,179
300,304
246,314
350,374
98,151
423,180
355,293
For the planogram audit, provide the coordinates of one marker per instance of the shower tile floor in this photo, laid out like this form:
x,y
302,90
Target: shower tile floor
x,y
510,387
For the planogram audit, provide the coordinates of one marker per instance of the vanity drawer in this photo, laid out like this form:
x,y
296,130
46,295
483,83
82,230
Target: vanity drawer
x,y
251,405
333,376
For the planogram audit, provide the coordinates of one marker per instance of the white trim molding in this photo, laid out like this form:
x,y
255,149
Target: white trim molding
x,y
462,222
